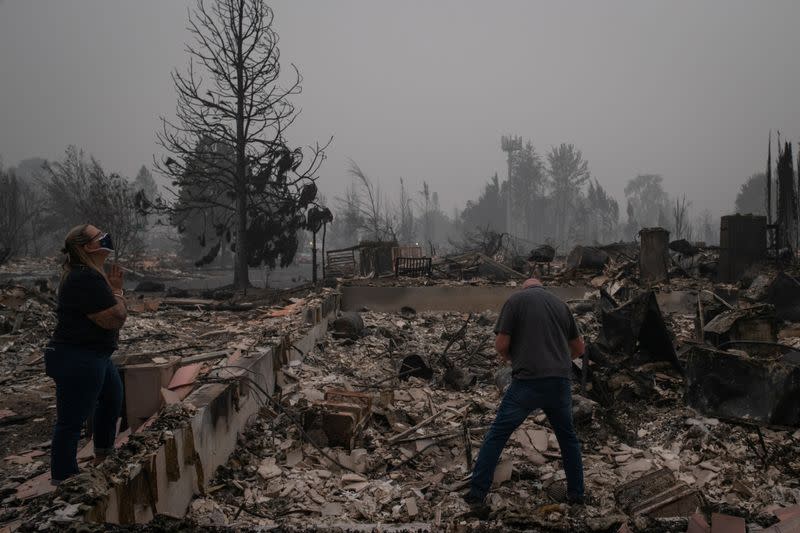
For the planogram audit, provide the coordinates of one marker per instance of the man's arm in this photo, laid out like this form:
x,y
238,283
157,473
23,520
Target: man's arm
x,y
502,344
576,347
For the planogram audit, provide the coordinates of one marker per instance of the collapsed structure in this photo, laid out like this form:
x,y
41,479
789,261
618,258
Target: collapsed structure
x,y
361,406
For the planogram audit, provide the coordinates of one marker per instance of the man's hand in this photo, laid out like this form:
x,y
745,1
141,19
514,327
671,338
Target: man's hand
x,y
502,344
115,278
577,347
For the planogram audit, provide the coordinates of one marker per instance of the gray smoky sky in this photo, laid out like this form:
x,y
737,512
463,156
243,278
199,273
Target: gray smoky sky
x,y
424,90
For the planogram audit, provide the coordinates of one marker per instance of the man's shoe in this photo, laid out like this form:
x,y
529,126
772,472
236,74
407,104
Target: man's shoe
x,y
471,499
477,506
576,500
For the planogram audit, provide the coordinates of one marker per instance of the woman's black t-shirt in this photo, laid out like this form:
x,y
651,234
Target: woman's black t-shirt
x,y
84,292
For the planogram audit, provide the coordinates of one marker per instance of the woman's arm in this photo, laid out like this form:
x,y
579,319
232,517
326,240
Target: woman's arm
x,y
113,317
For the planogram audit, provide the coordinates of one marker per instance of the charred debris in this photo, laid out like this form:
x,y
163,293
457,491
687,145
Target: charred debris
x,y
686,399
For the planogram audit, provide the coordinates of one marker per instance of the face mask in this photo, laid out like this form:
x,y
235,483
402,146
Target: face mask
x,y
106,244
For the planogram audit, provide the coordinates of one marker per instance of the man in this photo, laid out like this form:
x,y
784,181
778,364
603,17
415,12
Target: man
x,y
537,333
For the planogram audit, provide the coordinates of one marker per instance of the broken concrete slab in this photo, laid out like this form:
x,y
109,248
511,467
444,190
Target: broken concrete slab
x,y
737,387
411,507
722,523
268,468
698,524
503,472
640,465
787,513
539,439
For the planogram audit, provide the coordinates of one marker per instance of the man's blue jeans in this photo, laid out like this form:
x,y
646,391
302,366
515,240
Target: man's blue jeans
x,y
554,397
87,383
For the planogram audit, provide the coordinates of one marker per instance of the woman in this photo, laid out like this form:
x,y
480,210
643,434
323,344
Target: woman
x,y
91,310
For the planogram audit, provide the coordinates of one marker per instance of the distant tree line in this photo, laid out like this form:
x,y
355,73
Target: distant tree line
x,y
40,200
553,199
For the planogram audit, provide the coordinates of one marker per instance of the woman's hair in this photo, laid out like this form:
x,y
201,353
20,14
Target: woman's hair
x,y
74,252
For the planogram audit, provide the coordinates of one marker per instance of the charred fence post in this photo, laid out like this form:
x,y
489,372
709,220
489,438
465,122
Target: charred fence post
x,y
654,255
742,243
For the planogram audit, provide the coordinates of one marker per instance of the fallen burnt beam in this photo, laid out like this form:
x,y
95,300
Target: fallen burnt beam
x,y
738,387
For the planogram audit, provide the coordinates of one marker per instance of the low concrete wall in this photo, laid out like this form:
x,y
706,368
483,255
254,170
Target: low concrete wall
x,y
168,479
466,298
477,298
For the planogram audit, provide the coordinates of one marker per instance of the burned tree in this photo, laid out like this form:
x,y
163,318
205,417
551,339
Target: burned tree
x,y
526,187
349,221
78,190
252,187
404,216
372,207
787,201
680,217
751,197
647,203
603,213
487,211
569,172
12,215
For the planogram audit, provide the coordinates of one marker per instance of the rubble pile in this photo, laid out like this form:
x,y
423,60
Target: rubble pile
x,y
26,415
686,403
407,460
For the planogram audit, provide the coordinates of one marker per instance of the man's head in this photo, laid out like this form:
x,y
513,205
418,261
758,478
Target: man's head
x,y
531,282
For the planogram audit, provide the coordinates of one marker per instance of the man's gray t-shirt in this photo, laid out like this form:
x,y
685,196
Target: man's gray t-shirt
x,y
540,326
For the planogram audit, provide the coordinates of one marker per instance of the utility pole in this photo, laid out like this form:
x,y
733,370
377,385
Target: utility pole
x,y
509,145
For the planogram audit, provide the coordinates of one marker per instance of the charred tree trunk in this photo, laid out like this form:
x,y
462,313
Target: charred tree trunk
x,y
241,276
228,155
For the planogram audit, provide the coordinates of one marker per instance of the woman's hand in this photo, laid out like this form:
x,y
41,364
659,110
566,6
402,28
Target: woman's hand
x,y
115,278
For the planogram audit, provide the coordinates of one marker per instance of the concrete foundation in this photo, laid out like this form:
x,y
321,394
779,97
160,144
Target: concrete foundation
x,y
465,299
143,385
166,481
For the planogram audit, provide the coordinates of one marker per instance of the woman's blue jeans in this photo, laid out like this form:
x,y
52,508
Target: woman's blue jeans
x,y
554,397
87,384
